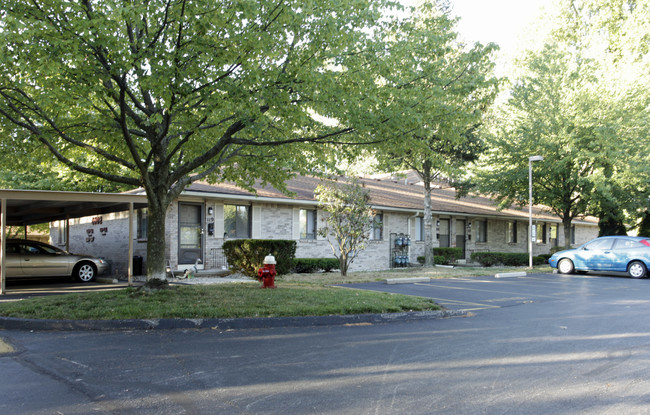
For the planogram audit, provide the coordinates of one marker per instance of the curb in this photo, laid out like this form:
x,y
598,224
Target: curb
x,y
107,280
511,274
11,323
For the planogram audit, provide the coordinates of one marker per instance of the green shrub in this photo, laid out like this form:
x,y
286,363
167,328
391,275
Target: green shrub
x,y
248,254
440,260
450,255
512,259
540,260
307,265
437,259
486,259
555,249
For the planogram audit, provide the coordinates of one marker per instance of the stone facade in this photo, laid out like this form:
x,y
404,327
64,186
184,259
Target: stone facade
x,y
107,236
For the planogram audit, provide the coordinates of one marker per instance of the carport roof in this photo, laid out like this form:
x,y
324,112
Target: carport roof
x,y
29,207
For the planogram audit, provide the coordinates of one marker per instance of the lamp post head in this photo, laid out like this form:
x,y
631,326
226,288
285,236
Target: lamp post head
x,y
535,158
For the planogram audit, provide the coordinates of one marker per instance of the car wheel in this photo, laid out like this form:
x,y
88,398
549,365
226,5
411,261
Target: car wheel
x,y
637,269
565,266
84,272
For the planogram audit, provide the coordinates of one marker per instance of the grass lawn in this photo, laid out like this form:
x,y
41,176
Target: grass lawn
x,y
296,295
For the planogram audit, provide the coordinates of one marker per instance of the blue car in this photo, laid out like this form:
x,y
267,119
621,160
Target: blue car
x,y
629,254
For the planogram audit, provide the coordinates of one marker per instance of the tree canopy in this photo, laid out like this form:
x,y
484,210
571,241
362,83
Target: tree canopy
x,y
464,87
572,101
162,94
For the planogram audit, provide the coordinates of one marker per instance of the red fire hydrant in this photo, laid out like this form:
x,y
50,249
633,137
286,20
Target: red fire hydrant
x,y
267,272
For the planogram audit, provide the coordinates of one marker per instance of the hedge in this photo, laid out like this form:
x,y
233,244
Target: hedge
x,y
437,259
555,249
450,255
306,265
248,255
487,259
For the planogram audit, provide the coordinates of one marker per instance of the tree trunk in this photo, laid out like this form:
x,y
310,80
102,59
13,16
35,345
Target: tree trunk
x,y
428,227
566,223
343,265
156,237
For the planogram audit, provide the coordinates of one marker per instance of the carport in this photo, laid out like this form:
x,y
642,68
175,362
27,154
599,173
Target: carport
x,y
30,207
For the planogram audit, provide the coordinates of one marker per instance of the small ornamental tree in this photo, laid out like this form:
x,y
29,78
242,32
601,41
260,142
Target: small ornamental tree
x,y
349,219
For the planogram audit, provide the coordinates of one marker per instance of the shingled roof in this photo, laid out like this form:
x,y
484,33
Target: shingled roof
x,y
385,194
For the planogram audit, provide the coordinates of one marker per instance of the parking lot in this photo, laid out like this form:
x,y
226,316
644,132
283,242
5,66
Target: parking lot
x,y
39,287
483,293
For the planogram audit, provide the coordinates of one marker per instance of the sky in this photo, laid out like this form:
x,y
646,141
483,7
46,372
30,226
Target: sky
x,y
498,21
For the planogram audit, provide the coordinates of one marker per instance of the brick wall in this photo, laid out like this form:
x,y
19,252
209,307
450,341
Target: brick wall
x,y
106,236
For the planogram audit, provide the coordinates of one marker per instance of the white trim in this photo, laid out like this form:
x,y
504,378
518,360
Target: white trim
x,y
256,218
218,220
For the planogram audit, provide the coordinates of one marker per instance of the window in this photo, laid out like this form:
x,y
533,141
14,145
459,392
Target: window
x,y
307,224
443,233
540,229
481,231
142,224
377,233
511,232
419,229
631,244
236,221
573,235
600,244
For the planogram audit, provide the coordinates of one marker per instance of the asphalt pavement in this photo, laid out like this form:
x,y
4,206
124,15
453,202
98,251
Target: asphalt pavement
x,y
490,292
542,344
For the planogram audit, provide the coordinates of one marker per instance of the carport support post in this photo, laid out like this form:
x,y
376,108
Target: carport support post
x,y
130,267
3,243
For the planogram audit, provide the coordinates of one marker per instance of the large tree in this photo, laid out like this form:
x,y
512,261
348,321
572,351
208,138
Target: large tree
x,y
552,112
161,94
463,89
579,100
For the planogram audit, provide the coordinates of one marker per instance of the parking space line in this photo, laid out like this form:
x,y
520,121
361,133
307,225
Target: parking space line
x,y
460,303
480,290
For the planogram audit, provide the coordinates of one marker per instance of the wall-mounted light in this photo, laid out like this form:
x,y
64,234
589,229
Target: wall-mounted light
x,y
210,211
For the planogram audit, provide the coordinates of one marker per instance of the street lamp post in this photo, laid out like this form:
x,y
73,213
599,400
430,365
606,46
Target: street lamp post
x,y
530,207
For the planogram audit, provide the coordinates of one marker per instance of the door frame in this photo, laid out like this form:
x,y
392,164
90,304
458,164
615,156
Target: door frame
x,y
463,240
201,226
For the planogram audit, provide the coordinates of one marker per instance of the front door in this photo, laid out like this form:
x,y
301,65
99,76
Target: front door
x,y
460,236
443,236
190,233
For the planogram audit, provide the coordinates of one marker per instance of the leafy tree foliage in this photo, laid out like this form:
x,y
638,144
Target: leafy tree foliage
x,y
446,138
572,101
546,115
162,94
349,219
